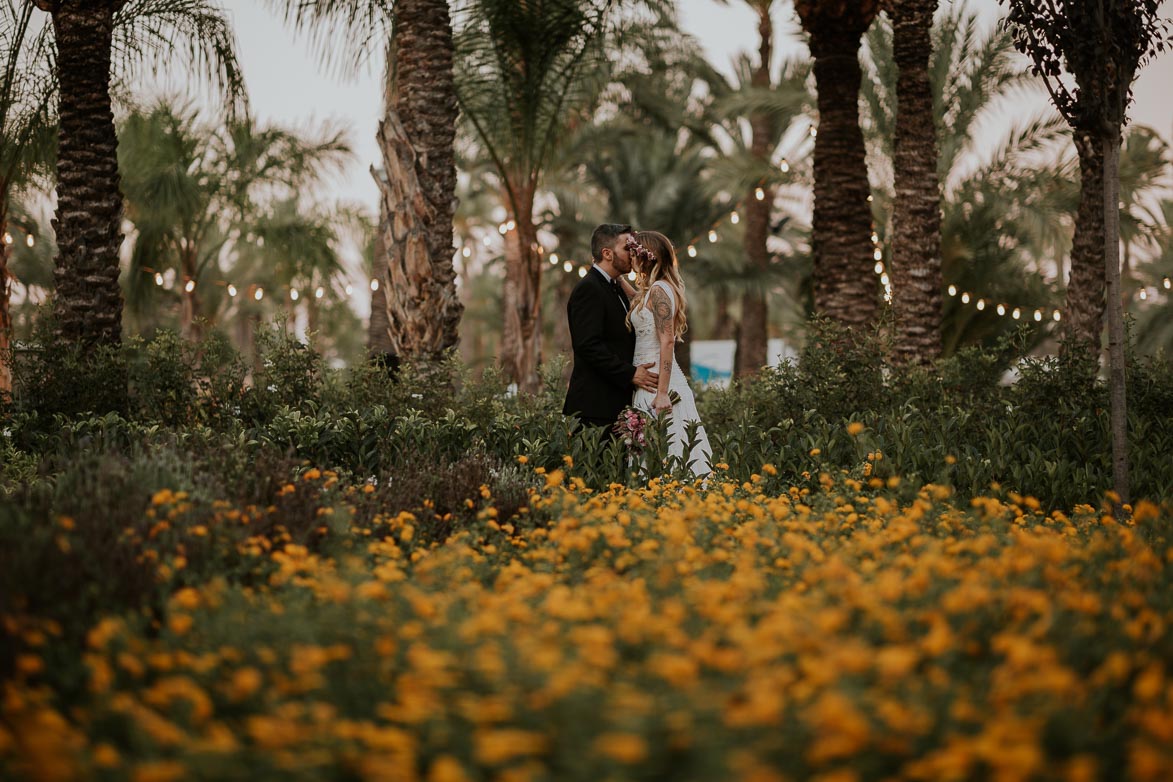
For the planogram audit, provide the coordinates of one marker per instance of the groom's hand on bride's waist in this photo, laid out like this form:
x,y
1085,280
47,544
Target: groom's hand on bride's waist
x,y
645,379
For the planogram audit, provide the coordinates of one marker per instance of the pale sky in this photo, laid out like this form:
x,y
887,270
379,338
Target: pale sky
x,y
288,84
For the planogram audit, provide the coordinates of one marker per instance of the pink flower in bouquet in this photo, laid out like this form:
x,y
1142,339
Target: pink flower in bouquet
x,y
632,429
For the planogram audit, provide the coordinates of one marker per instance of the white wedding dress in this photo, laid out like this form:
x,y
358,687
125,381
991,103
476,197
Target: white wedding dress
x,y
647,348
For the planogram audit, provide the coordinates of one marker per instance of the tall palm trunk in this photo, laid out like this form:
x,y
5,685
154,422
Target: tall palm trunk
x,y
723,326
419,193
1085,286
190,312
1117,361
88,304
5,302
916,217
753,336
521,340
845,287
378,329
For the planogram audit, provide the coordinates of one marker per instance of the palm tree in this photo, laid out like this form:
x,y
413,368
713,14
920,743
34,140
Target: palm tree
x,y
524,74
193,193
1001,217
845,288
88,35
27,134
916,220
415,310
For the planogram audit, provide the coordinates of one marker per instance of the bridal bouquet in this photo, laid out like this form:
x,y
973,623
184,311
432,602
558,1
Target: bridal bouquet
x,y
632,429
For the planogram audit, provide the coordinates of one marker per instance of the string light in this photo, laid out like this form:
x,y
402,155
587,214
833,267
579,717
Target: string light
x,y
568,267
965,298
814,132
189,286
293,294
1001,309
466,252
487,241
319,293
260,294
349,289
29,240
502,229
1038,316
582,270
231,291
785,166
712,236
553,259
981,304
1167,283
159,279
879,268
374,285
1016,314
1143,294
7,238
952,290
735,218
759,194
692,251
1056,316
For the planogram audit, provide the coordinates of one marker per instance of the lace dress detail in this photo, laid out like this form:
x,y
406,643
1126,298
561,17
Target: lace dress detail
x,y
647,348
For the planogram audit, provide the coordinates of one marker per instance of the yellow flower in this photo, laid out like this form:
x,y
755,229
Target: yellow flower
x,y
622,747
105,756
855,428
244,683
447,769
158,771
495,746
311,474
523,460
816,451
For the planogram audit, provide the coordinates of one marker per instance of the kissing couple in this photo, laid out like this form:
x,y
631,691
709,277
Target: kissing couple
x,y
623,337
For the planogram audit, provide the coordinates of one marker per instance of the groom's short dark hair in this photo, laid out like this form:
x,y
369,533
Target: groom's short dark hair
x,y
605,236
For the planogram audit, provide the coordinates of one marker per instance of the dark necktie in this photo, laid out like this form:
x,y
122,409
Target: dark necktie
x,y
619,293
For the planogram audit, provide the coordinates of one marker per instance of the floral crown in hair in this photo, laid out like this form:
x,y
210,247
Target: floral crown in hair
x,y
641,252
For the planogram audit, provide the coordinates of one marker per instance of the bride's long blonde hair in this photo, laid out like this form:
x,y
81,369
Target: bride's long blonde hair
x,y
654,259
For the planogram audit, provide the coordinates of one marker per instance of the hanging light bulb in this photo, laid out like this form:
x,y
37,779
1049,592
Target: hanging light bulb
x,y
349,289
1144,294
1001,309
1056,316
712,236
7,238
466,252
29,240
691,251
981,304
509,226
875,238
965,298
884,280
735,218
1167,283
952,290
231,291
1016,314
869,198
189,286
582,270
814,132
260,294
1038,316
879,267
158,279
568,267
293,294
878,254
759,194
486,241
502,229
553,259
374,285
631,276
319,293
785,165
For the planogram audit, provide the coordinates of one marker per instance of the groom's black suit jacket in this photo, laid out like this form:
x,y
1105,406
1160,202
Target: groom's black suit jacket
x,y
600,384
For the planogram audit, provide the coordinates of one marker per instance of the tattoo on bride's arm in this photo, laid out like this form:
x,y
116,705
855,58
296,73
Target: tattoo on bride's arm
x,y
662,312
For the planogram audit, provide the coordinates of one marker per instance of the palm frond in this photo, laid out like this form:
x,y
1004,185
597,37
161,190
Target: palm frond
x,y
154,32
346,34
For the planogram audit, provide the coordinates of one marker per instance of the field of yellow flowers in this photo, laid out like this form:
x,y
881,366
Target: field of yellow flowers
x,y
746,631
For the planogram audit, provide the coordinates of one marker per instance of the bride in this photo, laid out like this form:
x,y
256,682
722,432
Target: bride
x,y
657,316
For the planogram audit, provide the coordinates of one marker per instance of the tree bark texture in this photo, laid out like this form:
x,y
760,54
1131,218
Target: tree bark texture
x,y
88,302
378,329
846,289
521,341
1116,345
1085,285
753,335
419,195
916,218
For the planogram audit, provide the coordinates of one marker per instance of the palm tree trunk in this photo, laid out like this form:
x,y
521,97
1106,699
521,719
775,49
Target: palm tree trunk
x,y
419,194
5,303
88,304
753,335
1116,346
190,311
916,218
378,328
521,341
723,326
845,287
1085,286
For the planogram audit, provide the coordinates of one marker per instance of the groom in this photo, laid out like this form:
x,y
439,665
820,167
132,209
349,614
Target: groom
x,y
603,378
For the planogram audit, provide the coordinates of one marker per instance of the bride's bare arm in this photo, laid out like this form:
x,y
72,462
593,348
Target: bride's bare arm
x,y
628,288
661,308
